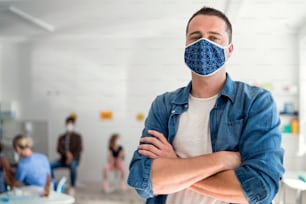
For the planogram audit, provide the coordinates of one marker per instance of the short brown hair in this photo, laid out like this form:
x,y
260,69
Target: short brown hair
x,y
213,12
70,120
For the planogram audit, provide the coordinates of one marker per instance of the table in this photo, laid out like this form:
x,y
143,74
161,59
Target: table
x,y
291,180
31,195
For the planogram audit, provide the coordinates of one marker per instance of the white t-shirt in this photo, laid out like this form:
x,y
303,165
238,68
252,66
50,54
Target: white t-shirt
x,y
193,139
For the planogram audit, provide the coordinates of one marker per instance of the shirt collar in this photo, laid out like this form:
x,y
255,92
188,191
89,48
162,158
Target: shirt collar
x,y
228,91
183,96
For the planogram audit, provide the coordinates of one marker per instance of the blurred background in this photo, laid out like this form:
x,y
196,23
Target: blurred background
x,y
105,57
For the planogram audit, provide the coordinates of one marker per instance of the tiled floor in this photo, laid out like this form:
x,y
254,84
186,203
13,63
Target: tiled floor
x,y
91,193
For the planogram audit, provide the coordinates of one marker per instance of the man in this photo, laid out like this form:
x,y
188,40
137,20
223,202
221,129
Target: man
x,y
214,141
69,147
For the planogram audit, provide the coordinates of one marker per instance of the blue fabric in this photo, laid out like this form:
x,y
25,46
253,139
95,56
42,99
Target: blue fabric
x,y
204,57
2,182
33,170
244,119
72,167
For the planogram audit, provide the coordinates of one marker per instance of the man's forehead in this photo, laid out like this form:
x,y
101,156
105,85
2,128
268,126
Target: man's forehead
x,y
207,21
207,24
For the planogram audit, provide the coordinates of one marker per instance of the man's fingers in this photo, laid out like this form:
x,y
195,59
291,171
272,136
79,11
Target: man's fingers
x,y
150,148
147,154
158,135
152,140
156,146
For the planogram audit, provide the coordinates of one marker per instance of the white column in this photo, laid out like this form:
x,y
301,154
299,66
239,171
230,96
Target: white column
x,y
302,88
1,74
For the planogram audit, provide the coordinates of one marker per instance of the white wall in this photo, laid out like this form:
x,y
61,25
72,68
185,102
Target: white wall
x,y
15,73
1,75
55,77
266,54
302,79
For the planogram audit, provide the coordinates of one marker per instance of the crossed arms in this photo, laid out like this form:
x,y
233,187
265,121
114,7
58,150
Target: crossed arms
x,y
210,175
156,170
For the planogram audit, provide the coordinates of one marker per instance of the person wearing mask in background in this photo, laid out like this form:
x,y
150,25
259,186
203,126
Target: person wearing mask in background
x,y
69,147
33,168
115,161
214,141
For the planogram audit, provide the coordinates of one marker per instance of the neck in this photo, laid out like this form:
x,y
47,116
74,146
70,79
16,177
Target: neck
x,y
205,87
27,152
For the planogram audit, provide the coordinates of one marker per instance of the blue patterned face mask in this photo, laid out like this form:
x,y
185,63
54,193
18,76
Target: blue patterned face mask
x,y
204,57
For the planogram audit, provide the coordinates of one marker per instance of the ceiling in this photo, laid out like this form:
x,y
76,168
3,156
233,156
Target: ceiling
x,y
138,18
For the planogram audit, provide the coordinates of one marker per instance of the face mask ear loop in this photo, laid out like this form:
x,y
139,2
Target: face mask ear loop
x,y
224,48
227,46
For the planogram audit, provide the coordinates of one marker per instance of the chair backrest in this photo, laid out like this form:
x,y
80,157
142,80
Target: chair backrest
x,y
61,185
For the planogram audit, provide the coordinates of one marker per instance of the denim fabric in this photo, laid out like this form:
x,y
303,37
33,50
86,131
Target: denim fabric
x,y
72,167
244,119
2,182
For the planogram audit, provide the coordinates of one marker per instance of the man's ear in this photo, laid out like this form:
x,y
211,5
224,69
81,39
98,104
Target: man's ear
x,y
230,50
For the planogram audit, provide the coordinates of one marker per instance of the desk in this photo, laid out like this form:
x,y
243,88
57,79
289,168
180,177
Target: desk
x,y
291,180
31,195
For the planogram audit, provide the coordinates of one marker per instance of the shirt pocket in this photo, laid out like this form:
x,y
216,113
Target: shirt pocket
x,y
229,135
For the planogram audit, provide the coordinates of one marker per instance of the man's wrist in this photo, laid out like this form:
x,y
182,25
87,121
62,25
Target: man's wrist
x,y
219,160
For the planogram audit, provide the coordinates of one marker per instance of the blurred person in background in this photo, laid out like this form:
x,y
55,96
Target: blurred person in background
x,y
115,161
6,172
69,147
33,168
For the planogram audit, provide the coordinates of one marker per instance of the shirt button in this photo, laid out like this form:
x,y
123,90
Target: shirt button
x,y
186,106
173,111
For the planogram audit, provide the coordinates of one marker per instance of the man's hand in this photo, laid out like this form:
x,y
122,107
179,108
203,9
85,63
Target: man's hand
x,y
156,146
69,158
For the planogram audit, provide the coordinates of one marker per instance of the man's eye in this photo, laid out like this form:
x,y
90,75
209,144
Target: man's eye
x,y
194,37
212,38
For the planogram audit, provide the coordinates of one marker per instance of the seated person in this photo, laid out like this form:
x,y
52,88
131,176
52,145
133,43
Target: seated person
x,y
69,147
115,161
33,168
6,172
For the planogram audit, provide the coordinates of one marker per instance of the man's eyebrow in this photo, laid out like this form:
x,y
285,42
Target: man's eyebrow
x,y
214,33
195,33
209,32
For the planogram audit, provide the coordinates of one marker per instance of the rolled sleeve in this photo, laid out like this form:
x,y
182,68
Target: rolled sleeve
x,y
140,175
261,152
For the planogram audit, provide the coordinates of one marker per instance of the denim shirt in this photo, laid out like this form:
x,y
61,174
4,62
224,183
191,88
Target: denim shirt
x,y
244,119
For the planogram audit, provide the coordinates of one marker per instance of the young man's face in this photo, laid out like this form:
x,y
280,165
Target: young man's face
x,y
210,27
